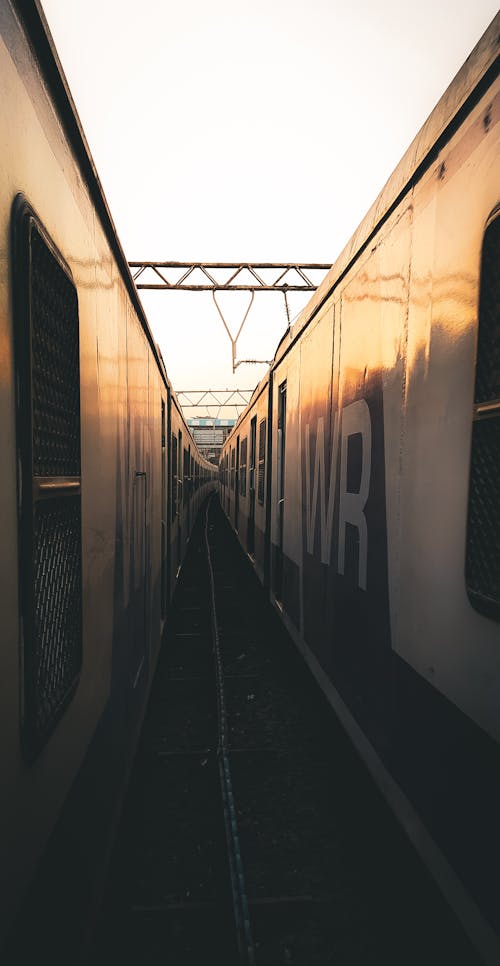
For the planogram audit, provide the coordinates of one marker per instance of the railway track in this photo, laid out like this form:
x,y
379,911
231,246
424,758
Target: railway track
x,y
251,833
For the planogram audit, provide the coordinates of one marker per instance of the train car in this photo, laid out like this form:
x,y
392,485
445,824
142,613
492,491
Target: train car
x,y
243,477
381,546
100,486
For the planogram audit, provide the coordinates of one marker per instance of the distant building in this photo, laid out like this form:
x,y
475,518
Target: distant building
x,y
210,434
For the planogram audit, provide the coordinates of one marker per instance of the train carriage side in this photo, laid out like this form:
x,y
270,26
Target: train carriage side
x,y
189,478
235,485
242,494
244,477
226,489
258,445
381,425
178,534
84,410
384,513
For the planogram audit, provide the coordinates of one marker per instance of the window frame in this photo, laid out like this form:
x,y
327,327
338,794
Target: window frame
x,y
35,490
483,411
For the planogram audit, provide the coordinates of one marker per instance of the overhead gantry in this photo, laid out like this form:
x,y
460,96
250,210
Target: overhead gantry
x,y
215,277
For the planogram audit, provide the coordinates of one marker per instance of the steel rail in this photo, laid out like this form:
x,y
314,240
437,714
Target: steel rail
x,y
240,901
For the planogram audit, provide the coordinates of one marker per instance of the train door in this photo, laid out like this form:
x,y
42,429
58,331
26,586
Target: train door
x,y
163,513
173,508
237,484
139,574
180,485
251,487
226,481
280,476
137,365
189,487
168,496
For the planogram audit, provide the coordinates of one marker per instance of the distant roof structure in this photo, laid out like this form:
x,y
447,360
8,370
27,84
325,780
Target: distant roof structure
x,y
210,434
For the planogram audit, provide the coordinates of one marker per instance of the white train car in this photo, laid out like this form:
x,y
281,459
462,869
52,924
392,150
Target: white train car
x,y
100,483
381,544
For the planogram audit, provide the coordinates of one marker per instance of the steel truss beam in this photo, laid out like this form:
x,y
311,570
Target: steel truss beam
x,y
286,277
203,398
299,280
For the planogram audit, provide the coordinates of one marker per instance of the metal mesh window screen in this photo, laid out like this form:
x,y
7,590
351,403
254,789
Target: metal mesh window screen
x,y
55,365
262,461
48,440
54,657
483,531
488,347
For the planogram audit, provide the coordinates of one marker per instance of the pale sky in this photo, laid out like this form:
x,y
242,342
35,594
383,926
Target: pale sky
x,y
263,131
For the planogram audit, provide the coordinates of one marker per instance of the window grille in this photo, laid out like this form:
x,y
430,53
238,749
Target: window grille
x,y
482,567
48,439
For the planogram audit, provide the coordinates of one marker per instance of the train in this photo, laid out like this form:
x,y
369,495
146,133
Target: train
x,y
362,484
100,483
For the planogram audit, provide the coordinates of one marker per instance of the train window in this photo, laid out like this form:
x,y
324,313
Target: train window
x,y
233,454
173,467
482,569
261,472
243,467
48,437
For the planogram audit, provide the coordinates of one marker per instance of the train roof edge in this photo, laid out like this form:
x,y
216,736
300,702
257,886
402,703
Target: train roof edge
x,y
418,156
482,60
37,30
34,23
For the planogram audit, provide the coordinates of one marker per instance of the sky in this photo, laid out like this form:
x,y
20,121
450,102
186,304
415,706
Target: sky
x,y
260,131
